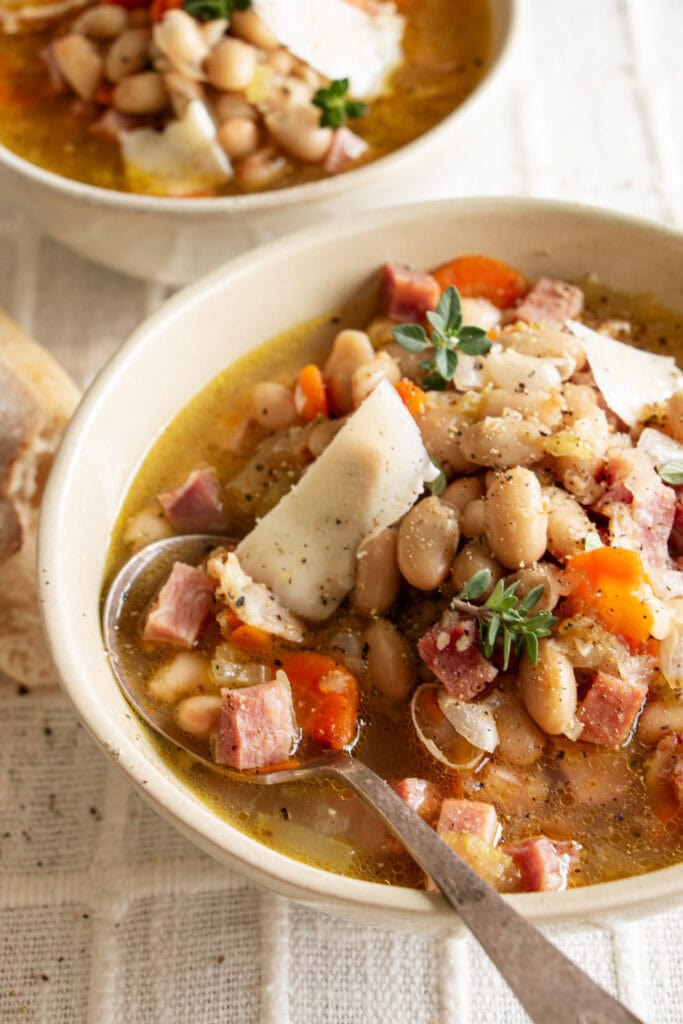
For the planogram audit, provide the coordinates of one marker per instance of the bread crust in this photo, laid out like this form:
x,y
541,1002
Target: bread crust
x,y
37,399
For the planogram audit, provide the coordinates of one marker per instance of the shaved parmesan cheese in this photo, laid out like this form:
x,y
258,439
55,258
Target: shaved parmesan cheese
x,y
369,475
660,447
630,380
338,39
184,158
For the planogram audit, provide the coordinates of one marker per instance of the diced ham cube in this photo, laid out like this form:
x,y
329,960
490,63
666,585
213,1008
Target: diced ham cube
x,y
664,779
641,510
112,123
196,506
256,726
180,608
346,147
676,535
609,709
451,650
472,816
408,294
420,795
544,864
551,301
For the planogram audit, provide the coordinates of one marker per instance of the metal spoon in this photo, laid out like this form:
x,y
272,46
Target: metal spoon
x,y
548,985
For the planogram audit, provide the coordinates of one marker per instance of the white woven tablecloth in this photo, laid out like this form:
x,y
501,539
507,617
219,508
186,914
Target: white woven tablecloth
x,y
107,916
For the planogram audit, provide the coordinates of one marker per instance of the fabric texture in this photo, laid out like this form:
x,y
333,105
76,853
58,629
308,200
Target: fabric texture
x,y
109,916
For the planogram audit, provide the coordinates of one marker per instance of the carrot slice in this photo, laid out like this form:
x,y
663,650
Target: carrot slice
x,y
412,396
310,394
325,697
482,277
251,639
604,583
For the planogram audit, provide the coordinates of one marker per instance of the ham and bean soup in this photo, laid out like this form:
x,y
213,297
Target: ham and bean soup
x,y
221,97
458,547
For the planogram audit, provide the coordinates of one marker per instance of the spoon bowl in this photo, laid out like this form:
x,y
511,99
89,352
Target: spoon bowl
x,y
547,984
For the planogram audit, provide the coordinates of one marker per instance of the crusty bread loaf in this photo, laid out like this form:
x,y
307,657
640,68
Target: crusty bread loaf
x,y
36,400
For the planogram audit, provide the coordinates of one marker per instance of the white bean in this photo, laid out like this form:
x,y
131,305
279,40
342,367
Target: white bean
x,y
544,406
544,342
516,519
350,350
390,661
248,26
462,491
367,377
103,22
378,578
79,63
198,715
231,65
427,541
548,688
545,575
144,93
238,137
441,427
659,719
322,433
475,556
297,129
473,519
380,332
271,405
178,677
281,61
228,107
568,524
128,54
503,441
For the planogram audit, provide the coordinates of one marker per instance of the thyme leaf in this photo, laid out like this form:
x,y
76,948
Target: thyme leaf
x,y
503,618
211,10
335,105
448,337
672,472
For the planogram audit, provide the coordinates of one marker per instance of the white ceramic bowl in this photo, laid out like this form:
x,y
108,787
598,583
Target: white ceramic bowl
x,y
177,240
183,346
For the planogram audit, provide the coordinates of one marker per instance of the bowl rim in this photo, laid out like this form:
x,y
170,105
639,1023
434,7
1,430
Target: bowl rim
x,y
175,801
295,195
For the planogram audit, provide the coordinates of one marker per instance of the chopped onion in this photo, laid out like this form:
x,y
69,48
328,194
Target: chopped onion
x,y
473,721
671,657
230,668
462,753
660,447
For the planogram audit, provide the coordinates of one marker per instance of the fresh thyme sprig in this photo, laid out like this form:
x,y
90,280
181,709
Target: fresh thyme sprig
x,y
449,336
335,106
212,10
672,472
504,618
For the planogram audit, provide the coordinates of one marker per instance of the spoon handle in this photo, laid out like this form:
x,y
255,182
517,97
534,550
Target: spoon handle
x,y
548,985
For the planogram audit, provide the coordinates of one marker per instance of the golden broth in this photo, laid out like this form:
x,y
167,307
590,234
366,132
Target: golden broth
x,y
322,824
446,47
